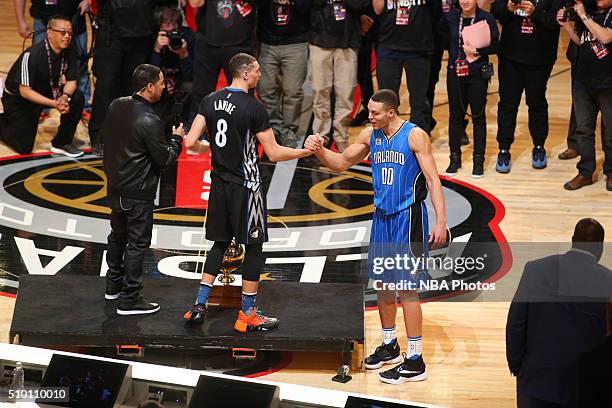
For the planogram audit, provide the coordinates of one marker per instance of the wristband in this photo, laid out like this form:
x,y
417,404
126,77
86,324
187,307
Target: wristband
x,y
68,95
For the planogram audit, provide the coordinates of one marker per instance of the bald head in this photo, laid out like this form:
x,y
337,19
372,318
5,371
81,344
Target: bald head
x,y
589,236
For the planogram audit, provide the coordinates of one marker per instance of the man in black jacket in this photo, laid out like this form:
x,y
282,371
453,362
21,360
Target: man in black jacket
x,y
528,51
135,152
557,313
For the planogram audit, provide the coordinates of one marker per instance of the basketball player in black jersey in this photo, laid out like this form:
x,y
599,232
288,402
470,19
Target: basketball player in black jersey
x,y
236,123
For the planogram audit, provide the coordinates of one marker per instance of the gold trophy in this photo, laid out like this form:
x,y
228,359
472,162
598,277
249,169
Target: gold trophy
x,y
228,295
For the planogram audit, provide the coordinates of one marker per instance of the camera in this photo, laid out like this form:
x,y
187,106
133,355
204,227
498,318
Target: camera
x,y
175,39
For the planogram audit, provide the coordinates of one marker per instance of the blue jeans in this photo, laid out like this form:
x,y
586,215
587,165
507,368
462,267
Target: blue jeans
x,y
40,33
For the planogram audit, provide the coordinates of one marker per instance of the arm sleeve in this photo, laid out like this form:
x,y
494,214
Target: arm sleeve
x,y
151,132
259,119
516,326
73,67
186,64
28,73
546,13
155,59
500,11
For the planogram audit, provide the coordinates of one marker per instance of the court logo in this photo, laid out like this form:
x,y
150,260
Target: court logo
x,y
54,221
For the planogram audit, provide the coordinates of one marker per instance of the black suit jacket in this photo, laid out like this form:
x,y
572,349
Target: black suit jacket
x,y
558,312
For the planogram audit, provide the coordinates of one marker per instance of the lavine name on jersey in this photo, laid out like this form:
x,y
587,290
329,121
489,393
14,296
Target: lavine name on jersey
x,y
389,156
224,106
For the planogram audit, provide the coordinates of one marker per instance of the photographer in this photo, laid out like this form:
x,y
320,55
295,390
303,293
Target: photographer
x,y
467,81
528,51
44,75
592,86
173,54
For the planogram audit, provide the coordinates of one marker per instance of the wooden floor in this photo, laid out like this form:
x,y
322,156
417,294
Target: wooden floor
x,y
464,343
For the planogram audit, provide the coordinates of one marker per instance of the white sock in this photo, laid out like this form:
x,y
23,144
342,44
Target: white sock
x,y
388,335
415,347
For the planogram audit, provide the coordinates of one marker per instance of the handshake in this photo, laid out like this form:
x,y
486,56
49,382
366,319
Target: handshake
x,y
314,143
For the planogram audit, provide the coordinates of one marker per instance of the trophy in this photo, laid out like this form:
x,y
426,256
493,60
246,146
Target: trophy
x,y
227,295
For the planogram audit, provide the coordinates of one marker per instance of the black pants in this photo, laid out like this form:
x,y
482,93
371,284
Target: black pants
x,y
434,75
364,71
463,92
19,122
572,140
515,77
208,62
389,75
588,102
129,240
115,59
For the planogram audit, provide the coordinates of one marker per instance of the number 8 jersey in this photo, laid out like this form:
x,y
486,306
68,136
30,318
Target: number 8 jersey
x,y
233,119
396,175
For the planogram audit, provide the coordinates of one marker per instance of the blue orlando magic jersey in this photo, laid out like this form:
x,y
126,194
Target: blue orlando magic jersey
x,y
396,175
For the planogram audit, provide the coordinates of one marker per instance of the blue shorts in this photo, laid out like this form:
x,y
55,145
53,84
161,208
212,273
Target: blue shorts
x,y
398,246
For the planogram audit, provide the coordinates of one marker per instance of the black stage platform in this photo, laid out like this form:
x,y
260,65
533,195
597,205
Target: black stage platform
x,y
71,311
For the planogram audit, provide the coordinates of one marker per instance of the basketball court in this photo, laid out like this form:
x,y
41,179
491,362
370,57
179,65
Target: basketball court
x,y
54,223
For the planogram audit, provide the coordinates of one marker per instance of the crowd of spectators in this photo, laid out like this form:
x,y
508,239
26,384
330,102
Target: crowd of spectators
x,y
335,40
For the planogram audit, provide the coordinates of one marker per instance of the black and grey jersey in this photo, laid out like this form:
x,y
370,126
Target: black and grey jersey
x,y
233,119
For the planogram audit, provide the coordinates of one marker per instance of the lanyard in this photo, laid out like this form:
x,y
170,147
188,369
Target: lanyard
x,y
54,89
460,37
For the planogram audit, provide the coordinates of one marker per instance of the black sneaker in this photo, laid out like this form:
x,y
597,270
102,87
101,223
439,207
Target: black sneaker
x,y
111,294
140,307
455,164
67,150
196,314
384,354
478,167
408,371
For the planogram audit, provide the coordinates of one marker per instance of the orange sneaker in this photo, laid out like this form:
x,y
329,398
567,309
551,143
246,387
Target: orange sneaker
x,y
254,322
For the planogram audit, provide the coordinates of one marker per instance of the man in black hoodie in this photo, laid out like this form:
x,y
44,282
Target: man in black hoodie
x,y
334,44
528,51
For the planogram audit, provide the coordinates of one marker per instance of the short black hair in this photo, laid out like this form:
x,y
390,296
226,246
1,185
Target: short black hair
x,y
241,62
588,230
57,17
170,15
387,97
143,75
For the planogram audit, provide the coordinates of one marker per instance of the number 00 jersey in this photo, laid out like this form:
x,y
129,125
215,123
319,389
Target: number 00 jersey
x,y
396,175
233,119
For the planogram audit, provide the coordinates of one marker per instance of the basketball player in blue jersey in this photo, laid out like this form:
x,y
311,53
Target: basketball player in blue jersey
x,y
403,169
236,124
